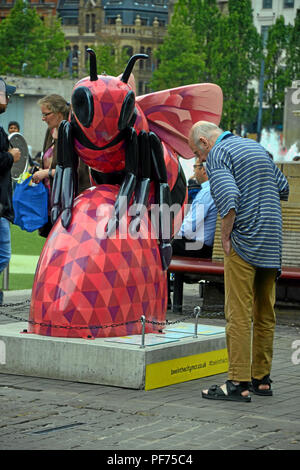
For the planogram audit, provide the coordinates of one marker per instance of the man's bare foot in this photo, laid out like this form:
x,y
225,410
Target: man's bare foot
x,y
231,390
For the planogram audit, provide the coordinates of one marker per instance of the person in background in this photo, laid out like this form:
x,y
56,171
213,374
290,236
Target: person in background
x,y
13,126
193,189
247,187
195,237
7,158
54,109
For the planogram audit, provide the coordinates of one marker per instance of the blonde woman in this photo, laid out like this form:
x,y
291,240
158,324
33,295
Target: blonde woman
x,y
54,109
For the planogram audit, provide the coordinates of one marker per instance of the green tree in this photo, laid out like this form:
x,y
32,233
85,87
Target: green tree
x,y
237,50
180,63
110,58
277,75
27,46
203,45
203,16
293,50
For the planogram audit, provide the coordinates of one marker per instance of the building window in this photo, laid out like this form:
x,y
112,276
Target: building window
x,y
288,3
149,61
111,20
128,50
267,4
90,23
140,88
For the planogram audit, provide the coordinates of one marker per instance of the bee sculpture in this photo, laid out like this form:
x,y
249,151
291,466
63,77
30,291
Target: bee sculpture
x,y
104,263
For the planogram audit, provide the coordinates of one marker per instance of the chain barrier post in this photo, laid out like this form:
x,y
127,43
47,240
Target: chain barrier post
x,y
197,311
5,280
143,320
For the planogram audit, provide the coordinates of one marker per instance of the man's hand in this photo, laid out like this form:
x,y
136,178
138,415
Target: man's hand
x,y
16,154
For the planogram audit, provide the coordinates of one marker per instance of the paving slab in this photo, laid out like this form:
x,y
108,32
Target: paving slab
x,y
119,420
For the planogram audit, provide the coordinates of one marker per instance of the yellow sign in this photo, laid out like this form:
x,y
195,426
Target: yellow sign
x,y
183,369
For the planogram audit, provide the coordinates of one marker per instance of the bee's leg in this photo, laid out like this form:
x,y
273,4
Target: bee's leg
x,y
142,190
57,182
65,185
163,199
128,185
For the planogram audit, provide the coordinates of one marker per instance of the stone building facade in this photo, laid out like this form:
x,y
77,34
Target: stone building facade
x,y
136,26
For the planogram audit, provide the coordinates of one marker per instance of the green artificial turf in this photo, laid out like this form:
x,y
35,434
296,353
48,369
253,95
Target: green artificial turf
x,y
27,246
25,243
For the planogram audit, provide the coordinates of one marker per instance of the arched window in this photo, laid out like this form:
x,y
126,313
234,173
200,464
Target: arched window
x,y
128,50
93,23
90,23
87,23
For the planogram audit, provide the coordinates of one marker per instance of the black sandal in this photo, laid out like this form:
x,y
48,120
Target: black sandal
x,y
264,381
234,392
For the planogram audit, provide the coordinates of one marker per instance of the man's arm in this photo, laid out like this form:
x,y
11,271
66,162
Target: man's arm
x,y
226,229
282,183
7,157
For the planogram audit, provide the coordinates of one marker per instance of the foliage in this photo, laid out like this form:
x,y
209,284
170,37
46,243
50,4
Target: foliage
x,y
293,50
241,60
109,58
27,46
180,61
276,72
203,45
23,243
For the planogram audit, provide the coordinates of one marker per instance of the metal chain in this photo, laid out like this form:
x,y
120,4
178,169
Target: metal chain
x,y
197,311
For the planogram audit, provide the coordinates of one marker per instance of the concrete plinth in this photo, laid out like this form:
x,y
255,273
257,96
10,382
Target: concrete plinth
x,y
173,357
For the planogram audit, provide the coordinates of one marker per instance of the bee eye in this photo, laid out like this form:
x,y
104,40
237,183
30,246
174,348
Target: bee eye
x,y
127,110
83,105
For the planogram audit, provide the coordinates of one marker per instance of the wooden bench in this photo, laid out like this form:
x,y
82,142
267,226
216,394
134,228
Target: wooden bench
x,y
213,270
210,270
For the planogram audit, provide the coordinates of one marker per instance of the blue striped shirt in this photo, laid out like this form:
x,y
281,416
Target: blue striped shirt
x,y
200,222
243,177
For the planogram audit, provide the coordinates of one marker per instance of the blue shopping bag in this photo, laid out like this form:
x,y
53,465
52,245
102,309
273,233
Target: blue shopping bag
x,y
30,203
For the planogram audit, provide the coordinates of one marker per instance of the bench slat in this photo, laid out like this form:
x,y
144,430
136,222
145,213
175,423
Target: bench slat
x,y
193,265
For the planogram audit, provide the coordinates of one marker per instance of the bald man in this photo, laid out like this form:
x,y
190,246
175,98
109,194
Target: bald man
x,y
247,188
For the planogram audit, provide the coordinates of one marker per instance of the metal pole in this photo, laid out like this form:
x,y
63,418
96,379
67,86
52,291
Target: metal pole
x,y
197,311
143,320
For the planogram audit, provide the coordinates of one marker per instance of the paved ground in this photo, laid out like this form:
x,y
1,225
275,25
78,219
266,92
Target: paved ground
x,y
44,414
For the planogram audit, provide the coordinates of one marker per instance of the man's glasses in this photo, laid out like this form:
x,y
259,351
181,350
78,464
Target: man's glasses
x,y
198,166
47,114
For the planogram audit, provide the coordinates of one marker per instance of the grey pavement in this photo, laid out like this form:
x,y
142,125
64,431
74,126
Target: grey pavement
x,y
45,414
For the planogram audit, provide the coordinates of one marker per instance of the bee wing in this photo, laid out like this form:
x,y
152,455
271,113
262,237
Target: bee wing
x,y
171,113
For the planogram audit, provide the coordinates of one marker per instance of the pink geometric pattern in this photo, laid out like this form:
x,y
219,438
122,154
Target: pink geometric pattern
x,y
83,281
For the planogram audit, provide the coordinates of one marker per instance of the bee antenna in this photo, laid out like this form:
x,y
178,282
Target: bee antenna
x,y
93,65
130,65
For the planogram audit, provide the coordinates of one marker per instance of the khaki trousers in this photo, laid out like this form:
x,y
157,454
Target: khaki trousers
x,y
250,317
